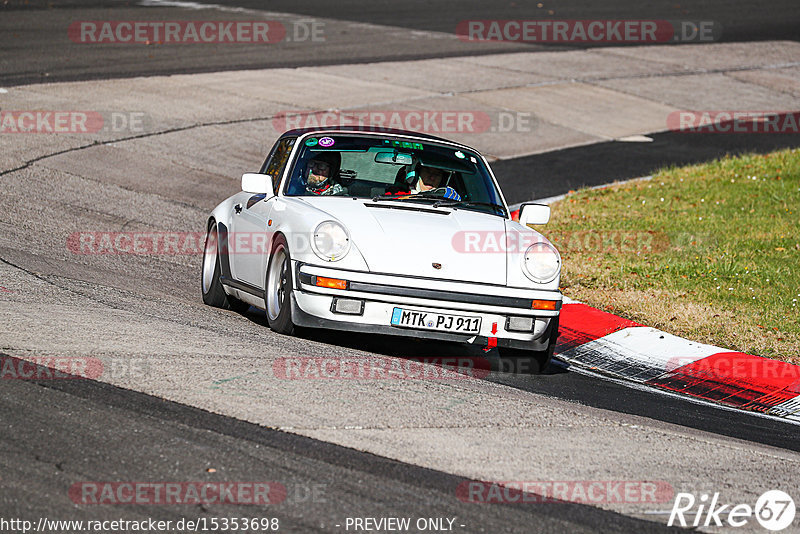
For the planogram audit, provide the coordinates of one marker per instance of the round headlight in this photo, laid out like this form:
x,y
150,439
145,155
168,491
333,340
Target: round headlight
x,y
541,262
330,241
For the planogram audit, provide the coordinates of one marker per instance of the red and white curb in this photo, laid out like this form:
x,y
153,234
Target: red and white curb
x,y
610,345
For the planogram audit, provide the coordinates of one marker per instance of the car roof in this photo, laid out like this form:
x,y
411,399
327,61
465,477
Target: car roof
x,y
364,129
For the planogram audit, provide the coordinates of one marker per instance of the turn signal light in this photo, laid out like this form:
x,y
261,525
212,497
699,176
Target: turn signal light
x,y
333,283
543,305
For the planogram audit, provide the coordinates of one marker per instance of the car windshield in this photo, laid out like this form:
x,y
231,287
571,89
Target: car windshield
x,y
391,169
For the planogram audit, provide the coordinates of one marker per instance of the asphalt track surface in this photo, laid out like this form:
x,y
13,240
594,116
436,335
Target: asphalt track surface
x,y
741,20
130,436
56,431
559,382
33,33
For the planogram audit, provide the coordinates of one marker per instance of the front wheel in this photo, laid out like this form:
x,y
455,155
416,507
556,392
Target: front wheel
x,y
210,284
278,288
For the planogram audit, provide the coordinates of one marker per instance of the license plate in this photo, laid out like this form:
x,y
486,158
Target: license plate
x,y
436,321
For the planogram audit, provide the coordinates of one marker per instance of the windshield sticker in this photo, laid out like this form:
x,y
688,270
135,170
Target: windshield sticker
x,y
326,142
403,144
311,141
459,154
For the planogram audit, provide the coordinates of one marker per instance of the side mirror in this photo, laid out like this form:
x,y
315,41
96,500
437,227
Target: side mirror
x,y
534,214
259,184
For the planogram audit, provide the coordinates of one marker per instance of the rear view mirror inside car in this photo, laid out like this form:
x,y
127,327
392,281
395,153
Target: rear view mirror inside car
x,y
396,158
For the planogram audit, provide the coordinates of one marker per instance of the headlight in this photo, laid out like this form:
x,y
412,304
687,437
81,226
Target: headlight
x,y
541,262
330,241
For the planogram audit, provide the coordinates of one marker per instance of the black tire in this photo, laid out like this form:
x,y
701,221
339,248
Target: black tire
x,y
210,284
531,362
278,288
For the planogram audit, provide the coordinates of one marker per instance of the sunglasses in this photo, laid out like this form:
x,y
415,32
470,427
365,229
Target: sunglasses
x,y
320,166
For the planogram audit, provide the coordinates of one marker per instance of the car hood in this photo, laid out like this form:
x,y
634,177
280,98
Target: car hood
x,y
411,239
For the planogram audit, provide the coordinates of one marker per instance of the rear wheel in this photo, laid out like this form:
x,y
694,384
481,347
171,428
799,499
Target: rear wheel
x,y
278,288
531,362
210,284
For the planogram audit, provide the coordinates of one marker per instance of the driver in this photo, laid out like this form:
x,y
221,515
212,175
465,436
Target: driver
x,y
321,173
430,179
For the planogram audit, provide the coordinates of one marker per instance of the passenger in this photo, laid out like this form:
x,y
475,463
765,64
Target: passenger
x,y
430,179
321,173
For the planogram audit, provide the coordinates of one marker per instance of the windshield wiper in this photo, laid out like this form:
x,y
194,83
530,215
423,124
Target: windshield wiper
x,y
409,196
450,202
379,198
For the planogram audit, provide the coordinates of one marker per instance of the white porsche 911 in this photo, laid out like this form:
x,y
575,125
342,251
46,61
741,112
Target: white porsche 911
x,y
385,232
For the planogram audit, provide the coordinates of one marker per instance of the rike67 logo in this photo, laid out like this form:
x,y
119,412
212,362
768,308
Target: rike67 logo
x,y
774,510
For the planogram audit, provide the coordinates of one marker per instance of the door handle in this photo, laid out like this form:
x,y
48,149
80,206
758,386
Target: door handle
x,y
237,208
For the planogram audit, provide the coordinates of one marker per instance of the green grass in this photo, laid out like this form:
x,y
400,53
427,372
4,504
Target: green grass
x,y
724,236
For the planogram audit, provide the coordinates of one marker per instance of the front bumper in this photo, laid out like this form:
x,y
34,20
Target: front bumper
x,y
382,293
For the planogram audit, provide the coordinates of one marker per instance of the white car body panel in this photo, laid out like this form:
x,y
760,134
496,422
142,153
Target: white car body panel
x,y
250,267
401,241
392,245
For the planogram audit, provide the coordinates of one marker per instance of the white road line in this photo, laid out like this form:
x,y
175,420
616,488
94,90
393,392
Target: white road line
x,y
195,6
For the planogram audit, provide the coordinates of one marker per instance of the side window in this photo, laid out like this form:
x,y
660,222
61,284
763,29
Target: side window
x,y
277,160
